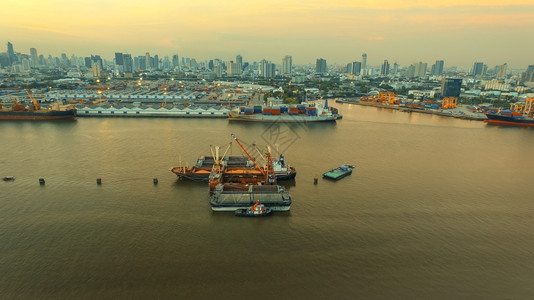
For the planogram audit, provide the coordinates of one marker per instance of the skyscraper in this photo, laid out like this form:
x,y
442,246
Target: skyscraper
x,y
119,59
354,68
420,69
528,75
267,69
287,65
34,56
320,66
364,64
175,61
128,63
478,69
11,53
385,68
451,87
233,68
502,70
437,68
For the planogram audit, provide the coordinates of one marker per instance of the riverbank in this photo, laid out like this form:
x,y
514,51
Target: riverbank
x,y
460,112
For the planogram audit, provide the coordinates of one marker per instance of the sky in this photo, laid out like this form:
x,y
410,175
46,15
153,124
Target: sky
x,y
459,32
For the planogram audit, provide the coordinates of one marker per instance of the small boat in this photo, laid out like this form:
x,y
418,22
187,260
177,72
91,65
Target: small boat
x,y
8,178
257,210
339,172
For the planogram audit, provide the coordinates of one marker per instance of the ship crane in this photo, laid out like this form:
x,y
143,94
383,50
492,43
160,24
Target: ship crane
x,y
270,178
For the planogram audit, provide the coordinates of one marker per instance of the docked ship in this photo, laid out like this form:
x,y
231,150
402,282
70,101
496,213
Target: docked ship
x,y
235,168
35,112
520,115
316,112
229,195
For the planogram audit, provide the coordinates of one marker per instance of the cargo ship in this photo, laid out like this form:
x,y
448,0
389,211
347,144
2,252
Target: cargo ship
x,y
519,115
17,111
226,195
316,112
235,167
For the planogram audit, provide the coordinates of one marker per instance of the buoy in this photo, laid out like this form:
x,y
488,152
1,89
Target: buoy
x,y
98,181
41,181
155,180
315,180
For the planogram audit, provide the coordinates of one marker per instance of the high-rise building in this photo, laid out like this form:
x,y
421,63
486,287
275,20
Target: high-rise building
x,y
354,68
287,65
385,68
478,69
451,87
528,75
34,56
502,69
175,61
395,69
11,54
233,68
364,64
267,69
128,63
320,66
437,68
420,69
119,59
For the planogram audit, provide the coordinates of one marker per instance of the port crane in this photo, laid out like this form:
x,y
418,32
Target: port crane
x,y
36,105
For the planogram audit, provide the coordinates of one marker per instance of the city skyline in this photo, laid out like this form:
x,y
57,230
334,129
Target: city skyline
x,y
459,33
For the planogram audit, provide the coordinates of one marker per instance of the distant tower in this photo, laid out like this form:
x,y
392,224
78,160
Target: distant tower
x,y
119,59
437,68
128,63
320,66
175,61
502,71
11,53
385,68
287,65
478,69
364,64
34,56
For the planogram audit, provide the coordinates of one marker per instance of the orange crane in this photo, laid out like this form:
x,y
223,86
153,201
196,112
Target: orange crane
x,y
449,102
250,157
270,177
36,105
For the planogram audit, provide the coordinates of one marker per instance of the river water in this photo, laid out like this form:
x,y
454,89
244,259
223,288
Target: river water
x,y
437,208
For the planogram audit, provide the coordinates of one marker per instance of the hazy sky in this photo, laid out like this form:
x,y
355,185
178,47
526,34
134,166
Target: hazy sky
x,y
404,31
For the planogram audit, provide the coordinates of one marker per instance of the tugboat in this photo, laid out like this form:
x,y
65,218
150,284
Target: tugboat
x,y
8,178
257,210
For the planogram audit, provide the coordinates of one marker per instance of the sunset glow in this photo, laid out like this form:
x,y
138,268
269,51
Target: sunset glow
x,y
340,31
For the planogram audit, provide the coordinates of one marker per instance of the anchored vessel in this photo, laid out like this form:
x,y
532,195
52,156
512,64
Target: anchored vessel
x,y
316,112
339,172
20,112
229,195
518,116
